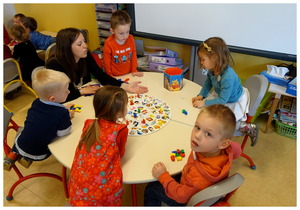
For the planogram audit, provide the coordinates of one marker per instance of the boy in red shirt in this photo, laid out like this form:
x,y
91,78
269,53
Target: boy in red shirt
x,y
119,53
209,162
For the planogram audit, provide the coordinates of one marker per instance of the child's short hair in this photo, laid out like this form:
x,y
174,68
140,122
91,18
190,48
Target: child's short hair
x,y
45,82
224,115
19,33
19,15
119,17
216,46
29,22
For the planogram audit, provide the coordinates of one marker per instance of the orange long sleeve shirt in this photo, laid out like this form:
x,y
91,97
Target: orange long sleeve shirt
x,y
199,173
119,59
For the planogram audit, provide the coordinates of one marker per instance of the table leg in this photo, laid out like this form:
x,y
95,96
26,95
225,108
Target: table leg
x,y
133,194
273,109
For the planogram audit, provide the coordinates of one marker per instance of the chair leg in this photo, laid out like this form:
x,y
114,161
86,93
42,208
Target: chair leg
x,y
252,165
65,181
9,197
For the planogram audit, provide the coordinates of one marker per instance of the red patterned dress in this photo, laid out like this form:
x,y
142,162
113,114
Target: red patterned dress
x,y
96,176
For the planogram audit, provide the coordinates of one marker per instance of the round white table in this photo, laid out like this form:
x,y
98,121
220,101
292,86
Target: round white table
x,y
142,152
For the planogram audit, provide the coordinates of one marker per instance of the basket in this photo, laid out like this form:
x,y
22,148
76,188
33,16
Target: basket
x,y
286,130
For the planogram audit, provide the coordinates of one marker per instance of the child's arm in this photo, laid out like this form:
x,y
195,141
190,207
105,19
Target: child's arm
x,y
107,60
122,139
72,112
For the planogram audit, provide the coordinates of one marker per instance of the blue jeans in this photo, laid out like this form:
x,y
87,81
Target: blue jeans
x,y
155,194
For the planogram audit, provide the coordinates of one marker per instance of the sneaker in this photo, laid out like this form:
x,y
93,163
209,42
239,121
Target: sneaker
x,y
251,129
25,162
9,161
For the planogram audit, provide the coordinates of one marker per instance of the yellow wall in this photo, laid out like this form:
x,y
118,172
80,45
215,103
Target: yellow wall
x,y
53,17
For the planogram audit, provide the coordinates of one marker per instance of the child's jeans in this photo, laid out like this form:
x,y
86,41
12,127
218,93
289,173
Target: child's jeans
x,y
155,195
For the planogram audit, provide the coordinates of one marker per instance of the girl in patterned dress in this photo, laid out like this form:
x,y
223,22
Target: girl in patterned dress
x,y
96,174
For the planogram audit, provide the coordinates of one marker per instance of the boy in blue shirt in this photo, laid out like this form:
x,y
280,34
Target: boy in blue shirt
x,y
46,119
39,40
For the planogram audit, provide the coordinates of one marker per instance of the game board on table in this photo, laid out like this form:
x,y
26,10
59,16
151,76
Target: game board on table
x,y
146,114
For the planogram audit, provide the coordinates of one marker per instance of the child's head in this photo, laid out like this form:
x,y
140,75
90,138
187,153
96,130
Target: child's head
x,y
120,25
50,85
214,127
214,55
110,103
29,23
19,34
17,18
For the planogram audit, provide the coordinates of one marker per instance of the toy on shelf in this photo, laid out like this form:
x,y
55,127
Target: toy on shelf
x,y
177,154
76,108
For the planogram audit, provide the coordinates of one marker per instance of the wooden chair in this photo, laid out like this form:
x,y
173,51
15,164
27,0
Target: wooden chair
x,y
50,51
8,125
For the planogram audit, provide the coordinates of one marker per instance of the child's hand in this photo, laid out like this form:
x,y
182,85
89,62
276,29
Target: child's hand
x,y
198,103
158,169
69,105
138,74
72,114
199,97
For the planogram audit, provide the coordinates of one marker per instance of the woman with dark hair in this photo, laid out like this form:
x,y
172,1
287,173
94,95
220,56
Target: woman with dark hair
x,y
74,59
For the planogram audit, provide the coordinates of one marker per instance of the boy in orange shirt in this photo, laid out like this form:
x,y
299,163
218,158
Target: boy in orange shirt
x,y
119,53
209,162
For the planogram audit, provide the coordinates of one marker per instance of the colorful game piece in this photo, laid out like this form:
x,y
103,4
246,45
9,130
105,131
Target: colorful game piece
x,y
177,154
184,112
76,108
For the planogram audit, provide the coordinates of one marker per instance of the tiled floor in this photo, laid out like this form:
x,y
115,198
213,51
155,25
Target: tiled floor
x,y
273,183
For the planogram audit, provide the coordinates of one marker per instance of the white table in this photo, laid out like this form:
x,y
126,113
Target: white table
x,y
142,152
279,91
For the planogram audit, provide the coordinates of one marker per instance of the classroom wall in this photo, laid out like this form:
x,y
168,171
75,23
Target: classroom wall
x,y
53,17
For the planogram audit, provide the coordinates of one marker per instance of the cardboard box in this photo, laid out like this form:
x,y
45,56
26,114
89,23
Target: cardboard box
x,y
165,60
173,79
292,87
161,67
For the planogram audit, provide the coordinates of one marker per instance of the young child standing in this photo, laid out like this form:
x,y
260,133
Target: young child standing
x,y
96,174
215,56
39,40
209,161
46,119
25,52
119,49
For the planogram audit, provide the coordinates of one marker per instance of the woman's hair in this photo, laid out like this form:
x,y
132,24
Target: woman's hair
x,y
64,54
109,102
216,49
45,82
29,22
224,115
119,17
19,33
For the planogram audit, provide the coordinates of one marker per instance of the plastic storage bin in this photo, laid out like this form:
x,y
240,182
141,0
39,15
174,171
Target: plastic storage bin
x,y
286,130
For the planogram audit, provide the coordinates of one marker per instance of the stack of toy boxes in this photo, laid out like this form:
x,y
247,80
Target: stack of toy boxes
x,y
163,60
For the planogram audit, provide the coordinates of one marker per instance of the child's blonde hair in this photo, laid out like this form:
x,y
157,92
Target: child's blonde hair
x,y
119,17
224,115
19,33
215,48
109,101
45,82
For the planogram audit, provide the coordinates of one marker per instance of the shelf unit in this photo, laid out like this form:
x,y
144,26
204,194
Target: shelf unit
x,y
103,15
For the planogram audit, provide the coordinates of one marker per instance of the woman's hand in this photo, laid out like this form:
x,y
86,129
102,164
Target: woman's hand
x,y
199,97
89,89
158,169
134,87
